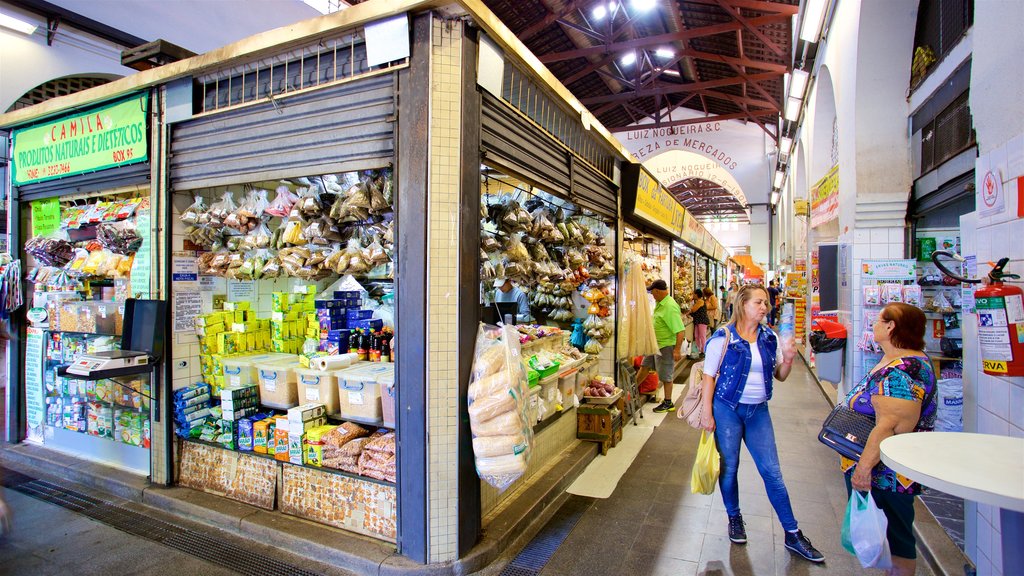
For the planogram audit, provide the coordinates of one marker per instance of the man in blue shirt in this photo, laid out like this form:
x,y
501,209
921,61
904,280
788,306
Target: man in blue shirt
x,y
506,292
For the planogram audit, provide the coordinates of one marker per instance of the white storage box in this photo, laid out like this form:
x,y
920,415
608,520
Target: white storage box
x,y
242,371
319,387
387,398
278,385
358,391
548,400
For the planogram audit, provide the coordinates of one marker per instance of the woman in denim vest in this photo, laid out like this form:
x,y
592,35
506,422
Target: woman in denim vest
x,y
736,403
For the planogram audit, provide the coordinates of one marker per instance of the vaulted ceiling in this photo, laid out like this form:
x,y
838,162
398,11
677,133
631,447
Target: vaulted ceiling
x,y
636,59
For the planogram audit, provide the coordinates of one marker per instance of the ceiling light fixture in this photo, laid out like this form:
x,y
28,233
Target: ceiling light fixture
x,y
599,12
644,5
17,25
628,59
793,109
810,24
670,71
797,82
664,53
785,145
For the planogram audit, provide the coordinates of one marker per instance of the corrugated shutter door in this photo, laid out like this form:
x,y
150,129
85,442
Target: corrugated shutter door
x,y
335,129
593,191
131,175
512,143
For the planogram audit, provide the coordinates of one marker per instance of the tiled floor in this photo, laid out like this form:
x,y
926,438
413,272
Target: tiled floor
x,y
652,524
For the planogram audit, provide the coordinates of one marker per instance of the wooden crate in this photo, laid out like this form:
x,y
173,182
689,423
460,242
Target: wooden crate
x,y
600,423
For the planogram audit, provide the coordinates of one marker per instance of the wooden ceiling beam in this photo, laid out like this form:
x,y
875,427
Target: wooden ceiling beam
x,y
661,39
739,99
547,20
759,64
762,5
768,42
582,30
678,88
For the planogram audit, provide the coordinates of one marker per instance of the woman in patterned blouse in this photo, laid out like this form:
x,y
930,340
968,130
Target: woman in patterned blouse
x,y
900,393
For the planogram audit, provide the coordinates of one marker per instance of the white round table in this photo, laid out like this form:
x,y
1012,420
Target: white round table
x,y
981,467
985,468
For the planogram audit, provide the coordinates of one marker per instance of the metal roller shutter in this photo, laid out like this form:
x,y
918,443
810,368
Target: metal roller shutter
x,y
335,129
133,175
593,190
512,143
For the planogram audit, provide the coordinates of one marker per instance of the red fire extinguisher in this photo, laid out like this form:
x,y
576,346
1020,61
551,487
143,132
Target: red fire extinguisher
x,y
1000,309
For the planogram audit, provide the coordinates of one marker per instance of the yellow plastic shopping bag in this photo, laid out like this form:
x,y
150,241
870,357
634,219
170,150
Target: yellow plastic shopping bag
x,y
705,470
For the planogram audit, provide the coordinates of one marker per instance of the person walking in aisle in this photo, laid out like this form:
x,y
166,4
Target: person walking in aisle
x,y
773,303
699,313
730,298
736,404
900,392
714,309
668,328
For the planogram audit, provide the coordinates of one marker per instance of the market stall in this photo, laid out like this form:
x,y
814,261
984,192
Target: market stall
x,y
284,306
84,213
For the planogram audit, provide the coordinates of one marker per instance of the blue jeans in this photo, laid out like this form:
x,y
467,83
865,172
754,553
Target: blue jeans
x,y
752,424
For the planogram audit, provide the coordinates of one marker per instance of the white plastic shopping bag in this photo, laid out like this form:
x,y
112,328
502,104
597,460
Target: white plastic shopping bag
x,y
867,531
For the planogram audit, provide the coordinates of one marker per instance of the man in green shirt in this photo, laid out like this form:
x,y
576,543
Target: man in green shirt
x,y
668,328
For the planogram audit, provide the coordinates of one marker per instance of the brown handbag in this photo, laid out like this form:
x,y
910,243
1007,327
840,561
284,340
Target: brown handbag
x,y
692,407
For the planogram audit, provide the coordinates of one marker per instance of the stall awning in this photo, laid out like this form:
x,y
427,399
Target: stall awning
x,y
750,269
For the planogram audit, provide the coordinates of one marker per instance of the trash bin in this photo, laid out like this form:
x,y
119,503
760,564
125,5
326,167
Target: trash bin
x,y
828,341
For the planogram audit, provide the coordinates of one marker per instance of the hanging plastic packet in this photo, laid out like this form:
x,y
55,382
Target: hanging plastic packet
x,y
322,231
293,232
259,238
53,250
221,209
119,237
195,211
378,203
309,203
356,262
283,202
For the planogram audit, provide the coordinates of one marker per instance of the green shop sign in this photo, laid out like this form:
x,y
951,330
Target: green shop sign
x,y
112,135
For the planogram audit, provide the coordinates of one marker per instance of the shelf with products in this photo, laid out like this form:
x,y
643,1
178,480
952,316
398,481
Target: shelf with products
x,y
290,284
289,463
547,251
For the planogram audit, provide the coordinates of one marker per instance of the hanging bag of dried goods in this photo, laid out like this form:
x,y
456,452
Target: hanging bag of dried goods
x,y
373,183
283,202
119,237
502,434
53,250
193,213
221,209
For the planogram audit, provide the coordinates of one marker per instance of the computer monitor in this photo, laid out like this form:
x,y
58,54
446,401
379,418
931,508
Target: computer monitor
x,y
496,312
143,327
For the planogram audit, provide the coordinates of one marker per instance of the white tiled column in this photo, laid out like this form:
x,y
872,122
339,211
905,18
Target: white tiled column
x,y
999,408
443,290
